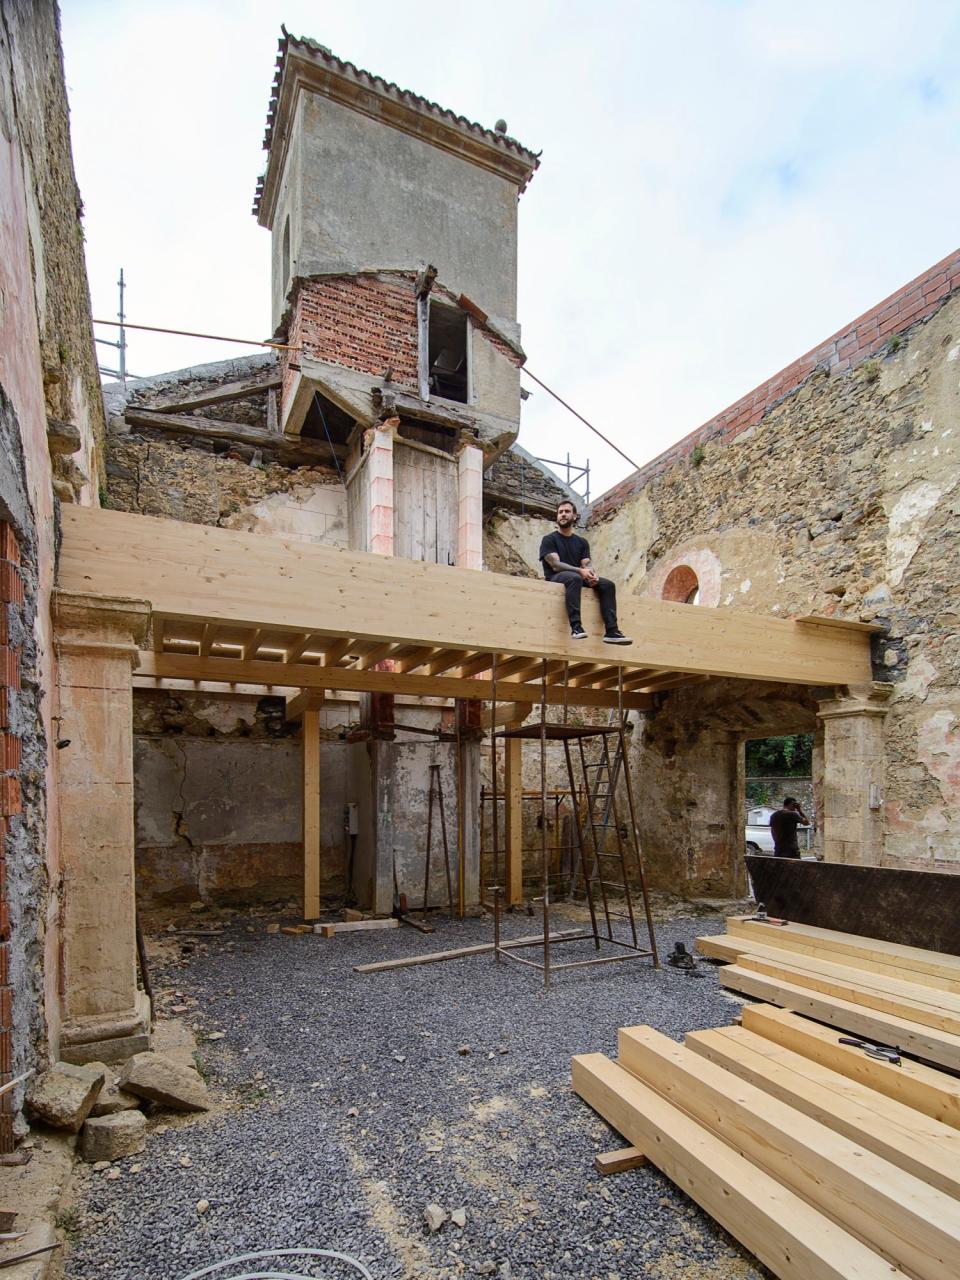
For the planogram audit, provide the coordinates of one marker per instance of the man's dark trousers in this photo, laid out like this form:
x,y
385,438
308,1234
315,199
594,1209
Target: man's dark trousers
x,y
573,584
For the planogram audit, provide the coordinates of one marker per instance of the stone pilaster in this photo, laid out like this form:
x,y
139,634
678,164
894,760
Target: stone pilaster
x,y
853,774
97,639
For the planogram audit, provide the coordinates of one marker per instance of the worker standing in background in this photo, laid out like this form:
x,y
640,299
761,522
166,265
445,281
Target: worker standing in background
x,y
565,557
783,827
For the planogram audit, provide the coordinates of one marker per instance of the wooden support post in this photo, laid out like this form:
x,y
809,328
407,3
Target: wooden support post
x,y
513,798
311,814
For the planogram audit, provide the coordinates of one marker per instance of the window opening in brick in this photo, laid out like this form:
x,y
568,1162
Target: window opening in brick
x,y
447,345
682,586
285,255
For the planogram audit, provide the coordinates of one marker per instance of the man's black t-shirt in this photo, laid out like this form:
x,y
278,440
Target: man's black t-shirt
x,y
783,828
571,549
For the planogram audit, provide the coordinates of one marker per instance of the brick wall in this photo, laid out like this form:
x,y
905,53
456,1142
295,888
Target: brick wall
x,y
362,322
868,335
11,596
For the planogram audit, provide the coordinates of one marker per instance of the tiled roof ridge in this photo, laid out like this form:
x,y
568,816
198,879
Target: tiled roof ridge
x,y
385,86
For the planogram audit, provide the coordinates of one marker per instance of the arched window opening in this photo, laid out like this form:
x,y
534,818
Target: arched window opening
x,y
682,586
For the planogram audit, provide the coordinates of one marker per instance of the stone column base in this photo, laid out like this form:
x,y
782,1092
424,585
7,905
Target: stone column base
x,y
110,1039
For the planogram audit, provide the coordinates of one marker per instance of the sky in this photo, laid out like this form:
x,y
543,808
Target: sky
x,y
723,182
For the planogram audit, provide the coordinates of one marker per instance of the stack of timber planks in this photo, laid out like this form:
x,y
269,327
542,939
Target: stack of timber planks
x,y
821,1159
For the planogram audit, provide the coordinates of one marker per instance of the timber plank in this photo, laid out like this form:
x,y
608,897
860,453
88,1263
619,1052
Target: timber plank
x,y
924,1147
457,953
242,389
292,449
915,959
207,574
912,1224
938,1009
729,947
885,1028
924,1089
787,1234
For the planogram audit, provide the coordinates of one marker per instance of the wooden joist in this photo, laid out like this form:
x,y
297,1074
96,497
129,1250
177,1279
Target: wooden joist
x,y
795,1240
908,959
926,1090
939,1009
915,1226
914,1037
201,573
291,449
241,389
310,676
924,1147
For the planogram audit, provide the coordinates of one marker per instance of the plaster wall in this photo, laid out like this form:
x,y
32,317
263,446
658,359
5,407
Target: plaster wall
x,y
407,204
219,801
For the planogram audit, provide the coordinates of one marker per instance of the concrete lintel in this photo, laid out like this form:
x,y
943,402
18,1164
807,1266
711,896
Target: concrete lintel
x,y
87,622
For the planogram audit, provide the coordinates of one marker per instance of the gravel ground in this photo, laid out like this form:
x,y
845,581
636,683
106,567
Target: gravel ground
x,y
366,1111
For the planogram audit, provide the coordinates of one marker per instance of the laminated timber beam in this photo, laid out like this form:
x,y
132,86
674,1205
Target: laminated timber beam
x,y
219,576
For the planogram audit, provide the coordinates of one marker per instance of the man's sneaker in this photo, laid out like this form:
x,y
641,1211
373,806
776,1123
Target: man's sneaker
x,y
615,636
577,632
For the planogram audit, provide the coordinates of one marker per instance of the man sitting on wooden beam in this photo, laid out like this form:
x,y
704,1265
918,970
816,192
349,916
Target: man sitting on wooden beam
x,y
565,557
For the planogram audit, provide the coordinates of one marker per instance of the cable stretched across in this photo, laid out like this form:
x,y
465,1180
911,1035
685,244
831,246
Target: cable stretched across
x,y
221,1267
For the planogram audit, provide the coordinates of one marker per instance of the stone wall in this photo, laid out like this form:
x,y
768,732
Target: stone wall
x,y
51,434
218,482
843,499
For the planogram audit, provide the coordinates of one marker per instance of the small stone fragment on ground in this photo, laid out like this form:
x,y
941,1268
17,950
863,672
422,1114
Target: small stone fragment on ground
x,y
435,1217
273,928
112,1137
203,1206
459,1217
463,1050
64,1095
151,1075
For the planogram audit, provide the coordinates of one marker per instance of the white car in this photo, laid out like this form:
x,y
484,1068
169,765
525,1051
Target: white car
x,y
758,837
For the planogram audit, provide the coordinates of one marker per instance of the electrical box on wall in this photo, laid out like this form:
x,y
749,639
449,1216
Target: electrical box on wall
x,y
351,823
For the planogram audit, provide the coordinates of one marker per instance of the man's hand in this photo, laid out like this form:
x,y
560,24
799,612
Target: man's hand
x,y
590,577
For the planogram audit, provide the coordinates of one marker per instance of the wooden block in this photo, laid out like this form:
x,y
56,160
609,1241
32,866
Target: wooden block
x,y
355,926
884,1028
924,1147
350,914
296,930
913,1225
788,1235
608,1162
922,1088
907,959
937,1009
